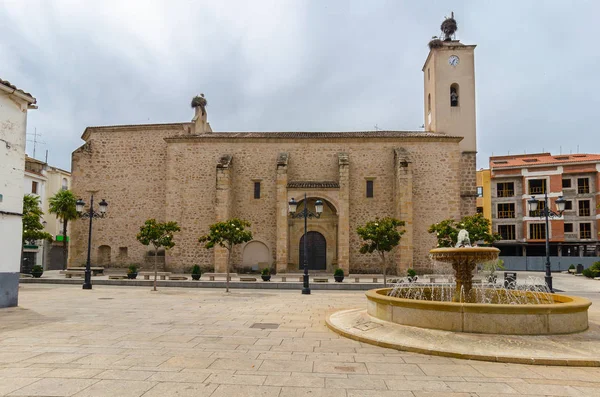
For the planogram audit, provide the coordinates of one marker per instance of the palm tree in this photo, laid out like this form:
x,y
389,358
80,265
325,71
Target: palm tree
x,y
63,205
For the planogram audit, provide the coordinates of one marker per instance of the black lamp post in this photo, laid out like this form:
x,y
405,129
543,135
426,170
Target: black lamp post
x,y
87,284
305,213
547,213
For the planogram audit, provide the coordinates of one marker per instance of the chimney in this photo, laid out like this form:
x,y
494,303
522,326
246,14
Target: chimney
x,y
201,126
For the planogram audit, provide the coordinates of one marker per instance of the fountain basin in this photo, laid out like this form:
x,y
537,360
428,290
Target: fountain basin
x,y
567,314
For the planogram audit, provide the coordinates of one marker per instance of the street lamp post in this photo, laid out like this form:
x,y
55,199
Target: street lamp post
x,y
91,214
548,213
305,213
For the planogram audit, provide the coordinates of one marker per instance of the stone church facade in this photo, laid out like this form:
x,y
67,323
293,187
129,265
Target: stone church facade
x,y
187,173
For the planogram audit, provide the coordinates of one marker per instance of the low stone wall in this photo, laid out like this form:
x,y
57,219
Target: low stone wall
x,y
567,315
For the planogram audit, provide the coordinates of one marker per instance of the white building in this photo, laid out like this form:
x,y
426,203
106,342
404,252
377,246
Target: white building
x,y
14,104
57,180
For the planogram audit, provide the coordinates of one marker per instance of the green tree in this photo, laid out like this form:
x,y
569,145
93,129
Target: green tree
x,y
33,229
477,225
159,234
227,234
63,204
380,235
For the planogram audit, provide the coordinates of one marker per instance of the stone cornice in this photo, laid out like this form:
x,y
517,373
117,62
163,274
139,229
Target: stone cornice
x,y
132,127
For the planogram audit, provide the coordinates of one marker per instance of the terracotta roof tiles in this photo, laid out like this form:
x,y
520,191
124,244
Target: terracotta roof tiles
x,y
9,85
541,159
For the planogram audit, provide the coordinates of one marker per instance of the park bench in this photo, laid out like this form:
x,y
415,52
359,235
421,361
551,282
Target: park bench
x,y
212,276
71,273
162,275
96,270
177,278
285,276
357,278
320,280
247,278
117,277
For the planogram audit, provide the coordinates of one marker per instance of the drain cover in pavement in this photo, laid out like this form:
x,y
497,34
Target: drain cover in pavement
x,y
265,325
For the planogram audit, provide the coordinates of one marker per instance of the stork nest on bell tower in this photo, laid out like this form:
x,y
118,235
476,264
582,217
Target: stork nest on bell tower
x,y
449,27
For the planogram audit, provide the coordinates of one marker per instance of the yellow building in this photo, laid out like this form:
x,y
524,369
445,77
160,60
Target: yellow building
x,y
484,194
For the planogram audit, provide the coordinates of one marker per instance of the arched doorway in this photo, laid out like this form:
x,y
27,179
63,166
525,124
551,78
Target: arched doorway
x,y
256,254
317,251
104,255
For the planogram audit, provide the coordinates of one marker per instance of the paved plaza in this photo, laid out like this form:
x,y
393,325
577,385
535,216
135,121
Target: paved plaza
x,y
129,341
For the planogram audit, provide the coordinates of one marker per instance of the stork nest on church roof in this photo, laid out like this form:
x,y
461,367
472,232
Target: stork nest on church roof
x,y
435,43
199,101
449,27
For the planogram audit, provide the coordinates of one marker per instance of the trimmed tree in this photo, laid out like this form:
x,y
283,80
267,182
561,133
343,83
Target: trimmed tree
x,y
227,234
33,229
477,225
160,235
381,236
63,204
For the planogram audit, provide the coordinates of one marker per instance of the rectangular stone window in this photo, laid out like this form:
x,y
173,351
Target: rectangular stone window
x,y
505,189
537,231
566,183
506,210
585,230
568,205
537,186
568,228
584,207
34,187
257,189
507,232
583,185
369,188
123,252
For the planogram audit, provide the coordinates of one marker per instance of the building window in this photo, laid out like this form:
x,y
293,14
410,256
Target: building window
x,y
34,187
256,190
480,210
537,186
65,184
428,103
506,210
454,95
428,74
568,228
569,205
505,189
540,208
566,183
479,191
537,231
585,230
583,185
369,189
584,207
507,232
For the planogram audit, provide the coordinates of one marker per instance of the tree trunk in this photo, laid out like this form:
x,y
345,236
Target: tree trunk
x,y
155,266
65,251
384,270
228,260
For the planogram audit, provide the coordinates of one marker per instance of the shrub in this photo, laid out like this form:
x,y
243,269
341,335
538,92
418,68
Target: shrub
x,y
338,272
590,273
132,269
37,269
572,267
266,271
411,273
196,269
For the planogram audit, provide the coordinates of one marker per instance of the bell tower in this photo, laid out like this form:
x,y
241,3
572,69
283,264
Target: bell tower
x,y
449,88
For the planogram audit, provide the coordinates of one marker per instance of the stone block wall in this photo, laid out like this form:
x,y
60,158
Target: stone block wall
x,y
468,183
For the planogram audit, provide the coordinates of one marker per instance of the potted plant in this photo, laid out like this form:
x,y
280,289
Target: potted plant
x,y
132,272
196,272
412,275
338,275
37,271
265,274
572,269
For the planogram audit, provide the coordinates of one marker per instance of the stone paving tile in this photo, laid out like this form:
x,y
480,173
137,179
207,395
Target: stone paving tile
x,y
236,379
11,384
286,365
340,367
378,393
188,362
54,358
246,391
184,377
141,360
394,369
311,392
55,387
23,372
115,374
228,363
499,388
83,373
121,388
297,380
282,356
420,385
442,369
354,383
171,389
447,394
546,389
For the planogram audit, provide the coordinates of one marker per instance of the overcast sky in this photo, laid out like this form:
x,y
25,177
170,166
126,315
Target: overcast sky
x,y
301,65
